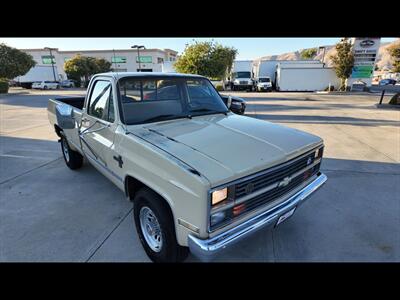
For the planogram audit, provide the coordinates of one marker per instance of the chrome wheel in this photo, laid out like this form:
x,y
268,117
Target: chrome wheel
x,y
151,229
65,149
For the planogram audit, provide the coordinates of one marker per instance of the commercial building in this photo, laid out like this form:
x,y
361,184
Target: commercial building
x,y
123,60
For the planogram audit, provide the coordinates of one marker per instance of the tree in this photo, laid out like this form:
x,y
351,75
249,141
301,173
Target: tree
x,y
394,51
343,61
206,58
14,62
308,53
85,66
102,65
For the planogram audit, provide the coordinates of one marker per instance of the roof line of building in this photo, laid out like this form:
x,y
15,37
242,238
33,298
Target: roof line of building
x,y
102,50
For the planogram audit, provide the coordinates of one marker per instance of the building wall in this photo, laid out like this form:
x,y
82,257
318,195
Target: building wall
x,y
122,60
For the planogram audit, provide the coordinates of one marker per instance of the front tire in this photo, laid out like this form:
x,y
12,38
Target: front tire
x,y
156,229
73,159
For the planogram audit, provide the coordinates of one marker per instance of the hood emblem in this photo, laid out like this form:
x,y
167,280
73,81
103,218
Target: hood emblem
x,y
249,188
309,161
284,182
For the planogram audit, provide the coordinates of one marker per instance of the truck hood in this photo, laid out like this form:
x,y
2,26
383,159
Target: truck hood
x,y
226,147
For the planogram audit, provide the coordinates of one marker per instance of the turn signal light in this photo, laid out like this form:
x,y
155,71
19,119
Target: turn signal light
x,y
238,209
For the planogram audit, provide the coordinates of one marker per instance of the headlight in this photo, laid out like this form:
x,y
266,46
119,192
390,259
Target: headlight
x,y
219,195
236,81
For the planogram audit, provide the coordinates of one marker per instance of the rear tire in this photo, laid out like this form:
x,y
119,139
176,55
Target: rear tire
x,y
73,159
155,228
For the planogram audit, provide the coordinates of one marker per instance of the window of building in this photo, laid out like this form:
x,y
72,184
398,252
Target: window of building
x,y
145,59
119,70
160,60
47,59
118,59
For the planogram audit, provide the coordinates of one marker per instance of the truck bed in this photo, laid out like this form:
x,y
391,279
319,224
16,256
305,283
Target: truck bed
x,y
76,102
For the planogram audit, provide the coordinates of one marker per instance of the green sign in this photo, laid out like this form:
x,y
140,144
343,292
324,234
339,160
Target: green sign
x,y
47,59
118,59
145,59
362,71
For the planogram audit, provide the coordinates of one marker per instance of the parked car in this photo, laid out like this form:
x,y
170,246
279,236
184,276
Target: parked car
x,y
68,83
12,83
264,84
46,85
387,82
200,176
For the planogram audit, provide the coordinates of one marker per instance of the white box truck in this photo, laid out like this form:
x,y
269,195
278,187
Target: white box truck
x,y
300,77
267,68
37,74
241,75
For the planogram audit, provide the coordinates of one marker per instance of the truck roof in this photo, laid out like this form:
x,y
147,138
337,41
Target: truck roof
x,y
119,75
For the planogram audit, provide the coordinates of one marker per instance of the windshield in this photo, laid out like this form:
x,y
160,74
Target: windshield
x,y
264,80
147,100
242,75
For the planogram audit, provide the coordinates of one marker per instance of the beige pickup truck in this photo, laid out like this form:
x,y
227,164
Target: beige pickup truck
x,y
200,177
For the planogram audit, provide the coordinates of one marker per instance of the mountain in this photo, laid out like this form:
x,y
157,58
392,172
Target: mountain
x,y
384,60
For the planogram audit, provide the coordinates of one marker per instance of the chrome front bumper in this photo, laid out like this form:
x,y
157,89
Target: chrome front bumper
x,y
206,249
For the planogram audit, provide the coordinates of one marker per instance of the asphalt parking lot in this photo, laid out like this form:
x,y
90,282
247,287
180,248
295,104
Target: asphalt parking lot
x,y
50,213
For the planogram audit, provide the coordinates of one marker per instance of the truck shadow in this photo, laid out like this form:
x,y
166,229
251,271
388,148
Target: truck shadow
x,y
353,217
51,213
322,120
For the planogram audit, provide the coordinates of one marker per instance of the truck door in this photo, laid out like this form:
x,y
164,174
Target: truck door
x,y
98,126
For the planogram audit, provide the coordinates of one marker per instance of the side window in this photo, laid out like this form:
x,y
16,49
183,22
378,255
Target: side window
x,y
110,108
101,101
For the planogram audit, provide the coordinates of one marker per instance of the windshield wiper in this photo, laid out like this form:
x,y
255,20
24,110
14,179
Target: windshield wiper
x,y
165,117
159,118
208,110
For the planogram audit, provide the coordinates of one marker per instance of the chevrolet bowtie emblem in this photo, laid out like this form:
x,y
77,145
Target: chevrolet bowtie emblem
x,y
249,188
284,182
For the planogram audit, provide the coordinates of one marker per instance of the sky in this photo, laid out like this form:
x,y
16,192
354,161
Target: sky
x,y
248,48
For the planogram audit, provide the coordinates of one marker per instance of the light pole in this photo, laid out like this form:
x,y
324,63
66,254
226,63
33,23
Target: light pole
x,y
115,61
323,55
52,62
138,53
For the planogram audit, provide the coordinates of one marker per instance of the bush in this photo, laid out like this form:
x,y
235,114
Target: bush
x,y
395,99
332,88
3,86
219,87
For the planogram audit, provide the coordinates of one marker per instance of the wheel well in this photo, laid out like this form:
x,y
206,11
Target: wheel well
x,y
58,130
132,185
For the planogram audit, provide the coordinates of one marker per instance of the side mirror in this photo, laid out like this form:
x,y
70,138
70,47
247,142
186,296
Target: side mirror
x,y
229,102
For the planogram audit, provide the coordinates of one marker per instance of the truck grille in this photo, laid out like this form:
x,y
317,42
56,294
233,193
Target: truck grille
x,y
275,175
279,191
295,169
242,82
